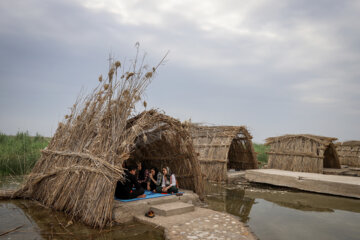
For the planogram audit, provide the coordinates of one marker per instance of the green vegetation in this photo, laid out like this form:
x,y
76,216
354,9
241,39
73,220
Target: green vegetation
x,y
261,150
19,153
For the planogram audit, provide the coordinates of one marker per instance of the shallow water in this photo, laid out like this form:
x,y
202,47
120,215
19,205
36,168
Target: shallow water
x,y
284,214
271,213
38,222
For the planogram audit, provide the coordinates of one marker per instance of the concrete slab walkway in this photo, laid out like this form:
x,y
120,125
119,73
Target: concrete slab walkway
x,y
314,182
202,223
235,176
124,212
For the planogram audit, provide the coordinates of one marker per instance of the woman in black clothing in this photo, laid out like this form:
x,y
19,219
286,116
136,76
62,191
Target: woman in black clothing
x,y
153,180
124,190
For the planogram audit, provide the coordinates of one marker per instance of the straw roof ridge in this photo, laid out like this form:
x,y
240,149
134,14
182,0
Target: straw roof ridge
x,y
350,143
231,131
316,138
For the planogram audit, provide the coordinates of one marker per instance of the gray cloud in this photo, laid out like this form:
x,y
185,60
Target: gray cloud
x,y
276,66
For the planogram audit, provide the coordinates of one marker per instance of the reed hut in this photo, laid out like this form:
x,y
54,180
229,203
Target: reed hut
x,y
166,142
349,153
302,153
220,148
78,171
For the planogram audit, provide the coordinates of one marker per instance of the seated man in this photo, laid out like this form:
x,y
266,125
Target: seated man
x,y
124,190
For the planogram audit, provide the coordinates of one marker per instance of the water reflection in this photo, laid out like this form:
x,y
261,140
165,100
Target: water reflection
x,y
37,222
231,200
283,214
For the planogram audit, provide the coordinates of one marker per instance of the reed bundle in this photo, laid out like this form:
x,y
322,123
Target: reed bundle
x,y
78,170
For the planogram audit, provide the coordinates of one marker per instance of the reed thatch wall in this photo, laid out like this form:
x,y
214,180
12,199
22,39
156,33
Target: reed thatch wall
x,y
349,153
302,153
220,148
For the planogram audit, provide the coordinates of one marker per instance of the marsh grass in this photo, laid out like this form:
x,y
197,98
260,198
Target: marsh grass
x,y
19,153
261,150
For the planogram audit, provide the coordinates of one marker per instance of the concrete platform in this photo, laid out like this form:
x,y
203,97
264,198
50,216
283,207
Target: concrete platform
x,y
124,212
200,224
235,176
174,208
346,171
313,182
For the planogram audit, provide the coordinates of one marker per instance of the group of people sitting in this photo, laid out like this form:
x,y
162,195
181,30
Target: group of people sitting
x,y
137,179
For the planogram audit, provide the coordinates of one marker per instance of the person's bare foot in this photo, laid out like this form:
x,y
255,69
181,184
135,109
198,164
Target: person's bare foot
x,y
141,196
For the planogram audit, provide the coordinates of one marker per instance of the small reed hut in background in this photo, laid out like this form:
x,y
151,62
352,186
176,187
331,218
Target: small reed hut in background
x,y
78,171
349,153
220,148
302,153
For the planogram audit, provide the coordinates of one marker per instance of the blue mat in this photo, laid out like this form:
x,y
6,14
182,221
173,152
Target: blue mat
x,y
149,195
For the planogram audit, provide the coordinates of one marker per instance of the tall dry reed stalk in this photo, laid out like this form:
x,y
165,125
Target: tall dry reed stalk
x,y
78,170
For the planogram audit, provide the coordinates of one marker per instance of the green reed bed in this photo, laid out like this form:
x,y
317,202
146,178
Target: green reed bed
x,y
19,153
261,150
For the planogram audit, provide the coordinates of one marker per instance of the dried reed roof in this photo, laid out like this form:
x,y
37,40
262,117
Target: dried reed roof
x,y
351,143
78,170
320,139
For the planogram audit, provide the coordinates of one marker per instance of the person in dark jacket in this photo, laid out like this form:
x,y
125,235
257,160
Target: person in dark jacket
x,y
142,175
124,190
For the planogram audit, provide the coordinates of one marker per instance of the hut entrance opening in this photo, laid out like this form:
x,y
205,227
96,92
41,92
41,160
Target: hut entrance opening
x,y
165,143
331,159
240,155
154,149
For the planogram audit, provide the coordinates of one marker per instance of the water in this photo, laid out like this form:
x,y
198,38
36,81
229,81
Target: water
x,y
283,214
270,213
38,222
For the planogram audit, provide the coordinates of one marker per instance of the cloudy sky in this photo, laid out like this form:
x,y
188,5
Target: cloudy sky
x,y
275,66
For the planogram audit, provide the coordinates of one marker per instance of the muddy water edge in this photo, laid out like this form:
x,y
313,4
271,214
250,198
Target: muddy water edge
x,y
26,219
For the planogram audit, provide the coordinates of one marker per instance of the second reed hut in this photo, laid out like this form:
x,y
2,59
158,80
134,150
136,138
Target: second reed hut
x,y
349,153
220,148
302,153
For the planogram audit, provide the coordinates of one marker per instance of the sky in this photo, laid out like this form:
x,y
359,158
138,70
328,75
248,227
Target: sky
x,y
277,67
